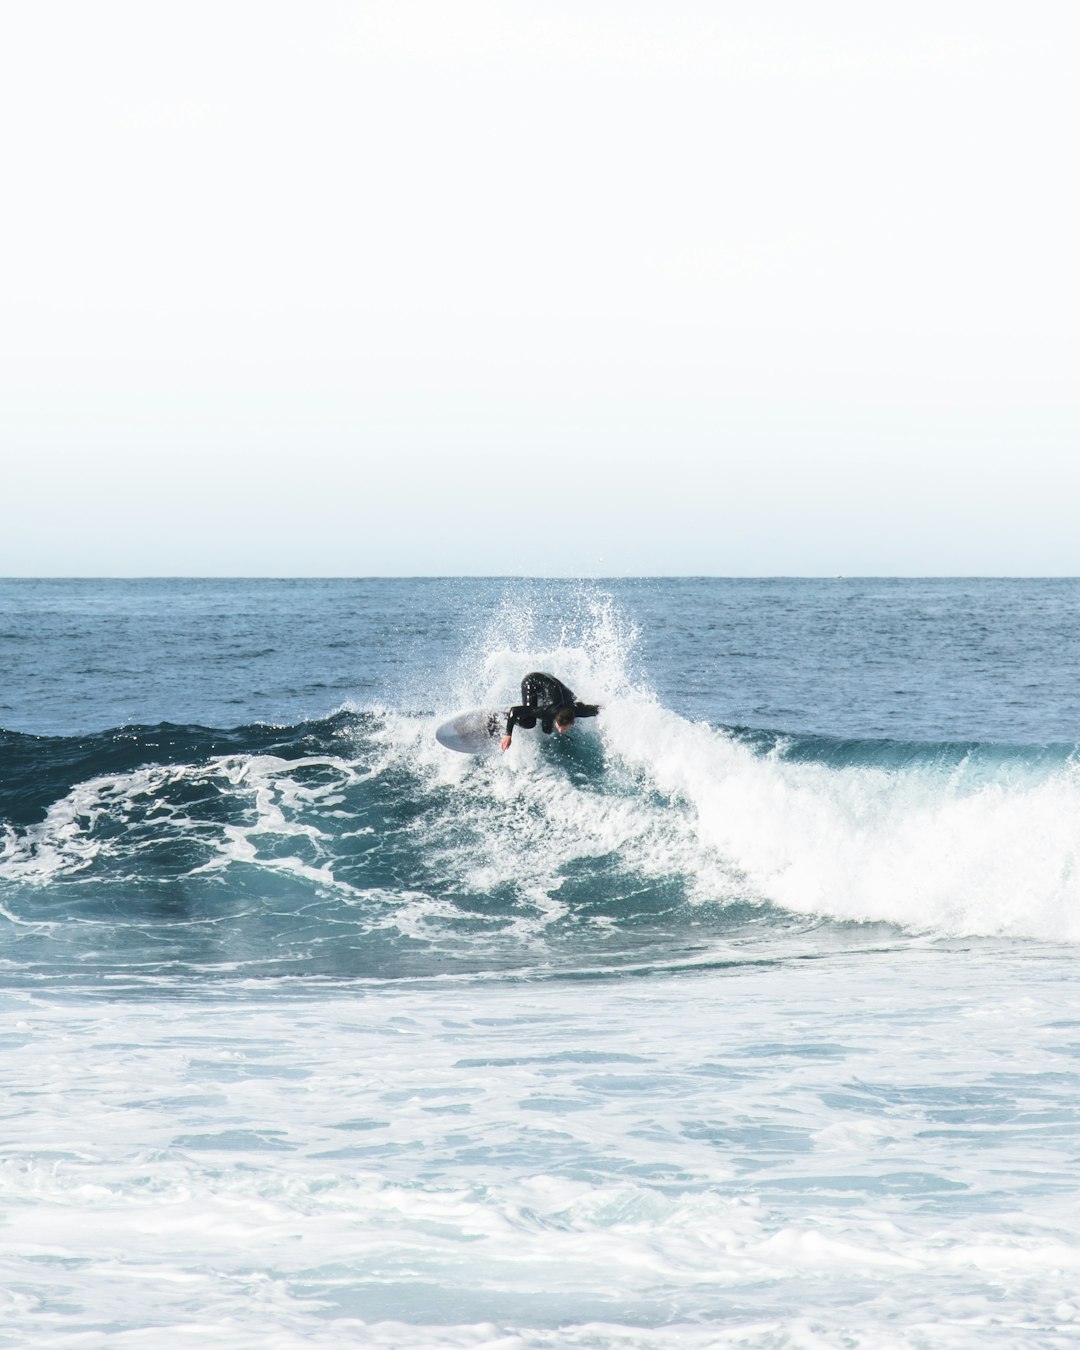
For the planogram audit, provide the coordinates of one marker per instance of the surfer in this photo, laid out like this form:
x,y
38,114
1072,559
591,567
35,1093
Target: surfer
x,y
547,700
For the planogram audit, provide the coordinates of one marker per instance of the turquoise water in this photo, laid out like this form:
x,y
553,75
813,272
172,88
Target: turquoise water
x,y
745,1015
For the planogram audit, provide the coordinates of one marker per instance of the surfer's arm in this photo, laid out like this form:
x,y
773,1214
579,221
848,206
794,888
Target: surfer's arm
x,y
521,714
512,719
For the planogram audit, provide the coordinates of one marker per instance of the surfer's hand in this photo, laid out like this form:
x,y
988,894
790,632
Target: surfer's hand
x,y
504,744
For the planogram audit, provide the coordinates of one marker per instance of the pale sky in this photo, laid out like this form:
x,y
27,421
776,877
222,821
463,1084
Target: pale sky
x,y
599,287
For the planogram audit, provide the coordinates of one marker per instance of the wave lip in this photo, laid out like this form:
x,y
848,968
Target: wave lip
x,y
974,760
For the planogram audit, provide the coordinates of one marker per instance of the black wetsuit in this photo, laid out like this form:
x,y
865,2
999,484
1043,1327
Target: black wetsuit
x,y
541,698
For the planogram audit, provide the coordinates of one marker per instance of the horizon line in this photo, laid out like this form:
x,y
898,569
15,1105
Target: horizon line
x,y
531,576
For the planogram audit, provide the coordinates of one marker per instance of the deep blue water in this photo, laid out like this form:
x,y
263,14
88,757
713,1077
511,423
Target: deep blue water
x,y
929,660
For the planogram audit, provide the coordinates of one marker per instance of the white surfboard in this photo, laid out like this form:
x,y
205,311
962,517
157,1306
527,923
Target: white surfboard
x,y
477,732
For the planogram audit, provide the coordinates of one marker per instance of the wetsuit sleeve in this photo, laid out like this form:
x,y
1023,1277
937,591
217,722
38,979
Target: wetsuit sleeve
x,y
513,717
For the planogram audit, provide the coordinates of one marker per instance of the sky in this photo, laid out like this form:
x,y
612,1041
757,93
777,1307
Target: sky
x,y
566,288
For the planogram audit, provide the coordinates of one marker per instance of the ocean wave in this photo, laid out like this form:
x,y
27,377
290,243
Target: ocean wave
x,y
355,845
36,770
940,838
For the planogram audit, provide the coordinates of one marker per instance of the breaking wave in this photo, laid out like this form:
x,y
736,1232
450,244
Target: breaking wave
x,y
355,846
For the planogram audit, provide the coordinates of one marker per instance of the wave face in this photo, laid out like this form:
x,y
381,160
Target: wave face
x,y
353,846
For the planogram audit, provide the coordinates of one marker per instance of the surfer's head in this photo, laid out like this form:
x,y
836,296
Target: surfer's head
x,y
564,719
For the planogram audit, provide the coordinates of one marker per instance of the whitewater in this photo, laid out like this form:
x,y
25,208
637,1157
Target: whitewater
x,y
745,1015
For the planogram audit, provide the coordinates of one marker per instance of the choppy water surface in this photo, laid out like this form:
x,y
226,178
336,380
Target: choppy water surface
x,y
745,1015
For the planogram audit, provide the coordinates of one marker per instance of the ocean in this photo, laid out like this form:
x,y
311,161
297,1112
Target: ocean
x,y
744,1015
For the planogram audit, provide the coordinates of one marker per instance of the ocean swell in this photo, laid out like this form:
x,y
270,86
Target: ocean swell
x,y
356,847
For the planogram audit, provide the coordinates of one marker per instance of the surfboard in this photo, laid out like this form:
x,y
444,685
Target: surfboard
x,y
477,732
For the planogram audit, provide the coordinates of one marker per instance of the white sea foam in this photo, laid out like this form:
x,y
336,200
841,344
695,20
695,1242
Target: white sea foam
x,y
65,842
913,847
868,1153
